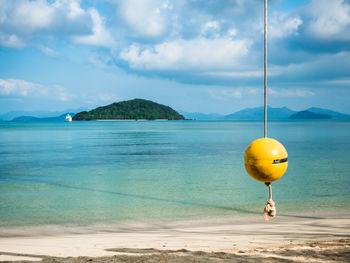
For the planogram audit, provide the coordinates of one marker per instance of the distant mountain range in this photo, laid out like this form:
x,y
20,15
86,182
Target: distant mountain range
x,y
334,114
306,114
258,114
11,115
60,118
283,113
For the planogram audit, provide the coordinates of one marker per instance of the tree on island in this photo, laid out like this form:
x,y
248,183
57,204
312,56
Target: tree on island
x,y
135,109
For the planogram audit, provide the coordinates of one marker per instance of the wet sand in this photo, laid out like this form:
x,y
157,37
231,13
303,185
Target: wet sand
x,y
293,238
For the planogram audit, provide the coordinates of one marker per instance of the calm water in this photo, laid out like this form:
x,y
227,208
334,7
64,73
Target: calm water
x,y
85,173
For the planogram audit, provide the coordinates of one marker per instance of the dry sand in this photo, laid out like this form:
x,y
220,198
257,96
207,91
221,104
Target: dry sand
x,y
285,239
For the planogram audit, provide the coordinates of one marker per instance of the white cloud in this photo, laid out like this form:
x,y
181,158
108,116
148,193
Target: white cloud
x,y
345,81
329,19
324,67
73,8
24,17
224,94
146,17
48,51
11,40
21,21
100,61
31,15
232,32
254,91
282,25
18,87
290,92
237,74
100,36
21,88
181,55
210,28
239,93
190,41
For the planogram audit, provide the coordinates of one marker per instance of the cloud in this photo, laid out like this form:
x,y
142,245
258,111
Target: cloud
x,y
211,28
22,88
145,18
102,61
48,51
290,92
344,82
221,42
236,74
11,40
281,25
100,36
323,67
182,55
328,20
24,17
224,94
201,42
23,21
239,93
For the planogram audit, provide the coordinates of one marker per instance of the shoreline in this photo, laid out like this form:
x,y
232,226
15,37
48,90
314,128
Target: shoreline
x,y
67,229
132,120
224,235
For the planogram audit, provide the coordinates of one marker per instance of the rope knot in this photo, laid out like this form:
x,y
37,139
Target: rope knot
x,y
270,208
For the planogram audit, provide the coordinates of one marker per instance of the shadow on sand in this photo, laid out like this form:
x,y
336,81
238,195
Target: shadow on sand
x,y
335,251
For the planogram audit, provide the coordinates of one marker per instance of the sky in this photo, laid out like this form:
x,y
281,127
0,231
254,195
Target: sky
x,y
193,55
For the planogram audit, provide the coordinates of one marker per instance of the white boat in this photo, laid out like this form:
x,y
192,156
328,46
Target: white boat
x,y
68,118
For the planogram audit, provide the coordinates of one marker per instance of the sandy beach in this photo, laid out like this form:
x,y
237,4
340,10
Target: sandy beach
x,y
289,238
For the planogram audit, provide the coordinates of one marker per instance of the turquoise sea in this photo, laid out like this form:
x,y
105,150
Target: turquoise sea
x,y
87,173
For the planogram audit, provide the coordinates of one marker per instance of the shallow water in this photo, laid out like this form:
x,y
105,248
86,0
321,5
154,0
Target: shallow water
x,y
85,173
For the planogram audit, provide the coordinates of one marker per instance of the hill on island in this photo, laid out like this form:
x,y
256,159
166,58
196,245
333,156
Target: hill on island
x,y
333,114
135,109
309,115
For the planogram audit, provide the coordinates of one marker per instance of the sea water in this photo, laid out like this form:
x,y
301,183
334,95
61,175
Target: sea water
x,y
88,173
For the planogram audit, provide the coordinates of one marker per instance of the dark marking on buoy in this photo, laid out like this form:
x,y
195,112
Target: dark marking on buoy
x,y
277,161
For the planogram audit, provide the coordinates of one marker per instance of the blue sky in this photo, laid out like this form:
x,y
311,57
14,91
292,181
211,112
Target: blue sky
x,y
196,56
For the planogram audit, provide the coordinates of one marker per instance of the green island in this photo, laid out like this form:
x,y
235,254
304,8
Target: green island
x,y
136,109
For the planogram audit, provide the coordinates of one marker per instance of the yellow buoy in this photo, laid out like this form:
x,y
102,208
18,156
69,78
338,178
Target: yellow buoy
x,y
266,160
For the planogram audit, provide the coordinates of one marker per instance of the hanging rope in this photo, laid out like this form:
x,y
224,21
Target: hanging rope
x,y
270,208
265,70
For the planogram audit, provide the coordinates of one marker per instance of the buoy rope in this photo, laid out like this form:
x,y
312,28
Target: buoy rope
x,y
270,208
265,72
